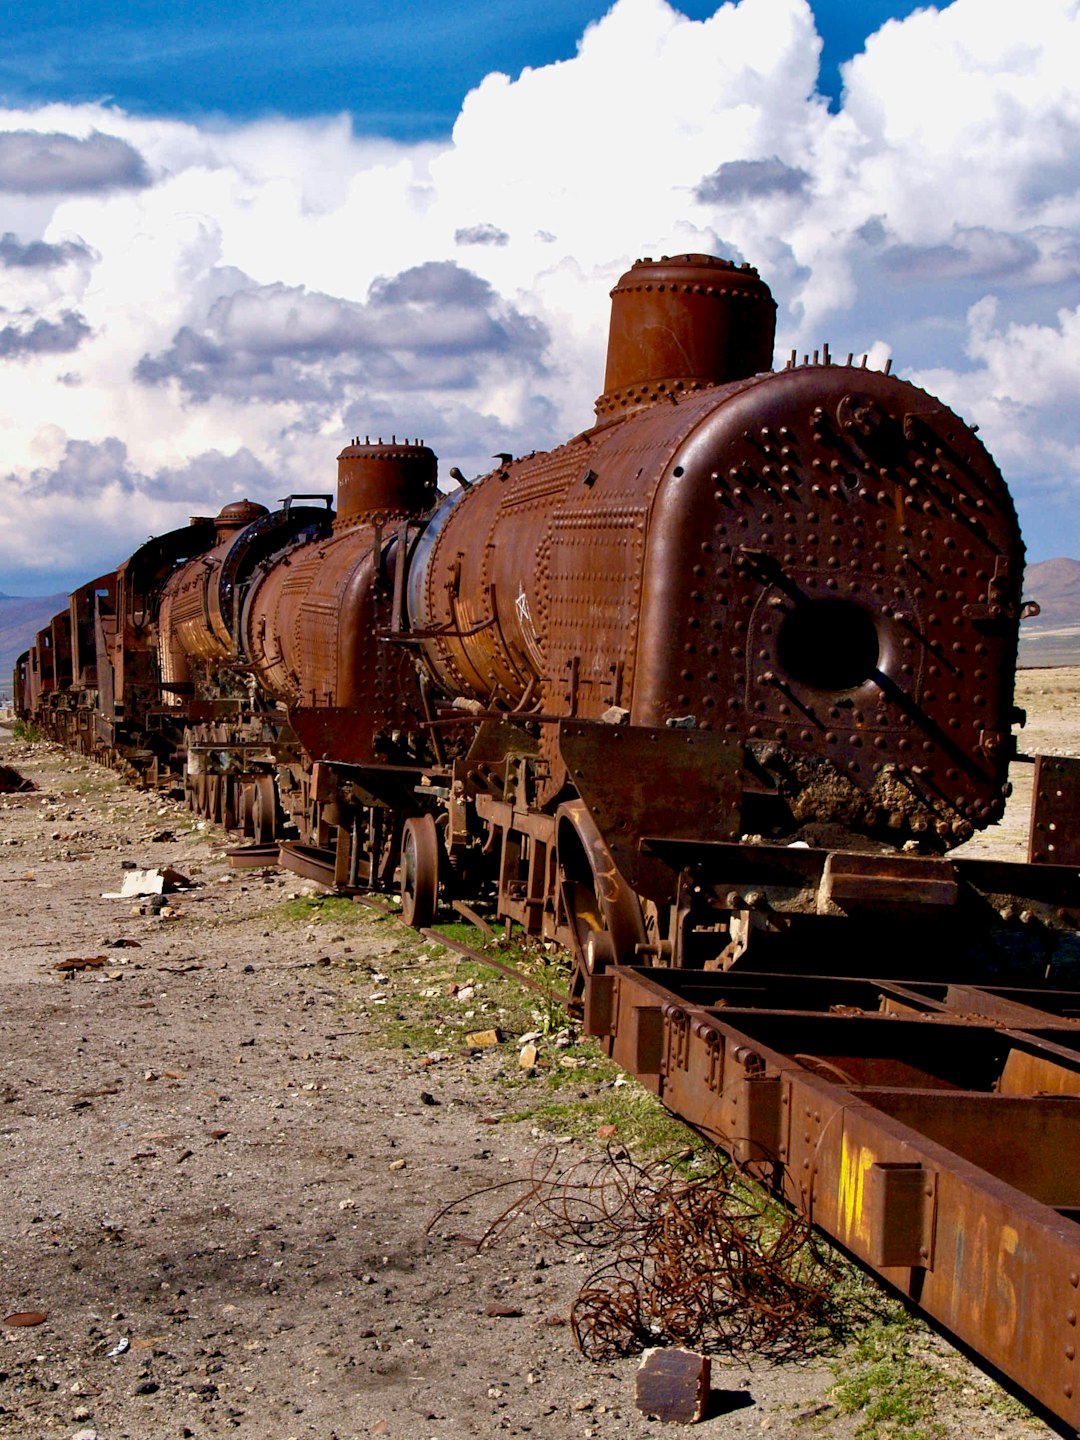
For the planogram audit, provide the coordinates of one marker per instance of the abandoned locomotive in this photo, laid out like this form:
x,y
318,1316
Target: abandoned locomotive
x,y
782,603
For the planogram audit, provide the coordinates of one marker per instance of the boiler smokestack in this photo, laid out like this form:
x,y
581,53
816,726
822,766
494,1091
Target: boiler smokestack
x,y
681,323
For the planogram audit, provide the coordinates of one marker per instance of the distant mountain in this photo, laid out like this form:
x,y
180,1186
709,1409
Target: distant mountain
x,y
1053,636
1055,584
20,620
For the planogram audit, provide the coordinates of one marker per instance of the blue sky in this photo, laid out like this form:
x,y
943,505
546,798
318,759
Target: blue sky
x,y
232,235
401,68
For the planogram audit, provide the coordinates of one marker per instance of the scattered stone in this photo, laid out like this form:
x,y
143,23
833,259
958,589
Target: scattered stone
x,y
482,1039
672,1385
148,882
11,782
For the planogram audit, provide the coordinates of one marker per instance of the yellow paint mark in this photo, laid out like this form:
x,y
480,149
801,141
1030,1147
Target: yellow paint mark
x,y
1007,1303
855,1161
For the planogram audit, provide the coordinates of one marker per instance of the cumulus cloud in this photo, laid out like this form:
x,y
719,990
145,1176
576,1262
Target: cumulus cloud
x,y
481,235
34,162
749,179
83,471
37,255
118,504
230,295
44,337
433,324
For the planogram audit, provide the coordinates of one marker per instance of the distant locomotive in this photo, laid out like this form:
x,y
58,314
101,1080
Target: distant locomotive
x,y
783,604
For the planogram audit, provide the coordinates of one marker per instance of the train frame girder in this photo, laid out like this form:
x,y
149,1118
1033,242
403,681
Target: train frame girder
x,y
931,1131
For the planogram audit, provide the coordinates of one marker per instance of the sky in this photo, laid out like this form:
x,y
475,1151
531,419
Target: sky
x,y
232,236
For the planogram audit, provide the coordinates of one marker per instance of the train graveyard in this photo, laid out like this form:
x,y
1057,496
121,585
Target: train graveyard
x,y
231,1116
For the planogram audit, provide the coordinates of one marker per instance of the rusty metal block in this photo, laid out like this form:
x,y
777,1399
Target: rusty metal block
x,y
647,1039
599,1005
323,782
758,1114
616,768
852,878
1054,836
901,1209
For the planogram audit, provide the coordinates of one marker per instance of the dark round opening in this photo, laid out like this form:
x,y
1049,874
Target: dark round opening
x,y
828,644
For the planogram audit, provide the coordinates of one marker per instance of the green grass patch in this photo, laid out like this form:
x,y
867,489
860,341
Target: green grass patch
x,y
337,908
902,1382
26,730
639,1121
891,1383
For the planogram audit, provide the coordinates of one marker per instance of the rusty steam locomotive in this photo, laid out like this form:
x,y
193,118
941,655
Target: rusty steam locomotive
x,y
706,695
743,601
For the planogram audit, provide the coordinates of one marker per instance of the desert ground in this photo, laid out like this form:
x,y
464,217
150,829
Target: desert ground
x,y
226,1146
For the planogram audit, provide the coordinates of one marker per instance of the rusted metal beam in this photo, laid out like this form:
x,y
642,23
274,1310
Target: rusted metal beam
x,y
916,1139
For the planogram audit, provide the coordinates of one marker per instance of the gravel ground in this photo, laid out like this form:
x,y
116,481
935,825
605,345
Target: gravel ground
x,y
219,1172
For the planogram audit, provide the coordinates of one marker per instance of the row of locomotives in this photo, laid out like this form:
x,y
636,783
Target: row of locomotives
x,y
110,675
710,695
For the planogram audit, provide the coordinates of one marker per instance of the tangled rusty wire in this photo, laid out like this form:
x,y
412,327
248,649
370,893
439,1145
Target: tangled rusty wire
x,y
711,1262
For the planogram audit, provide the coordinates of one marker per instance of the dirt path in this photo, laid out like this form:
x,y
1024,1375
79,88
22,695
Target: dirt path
x,y
218,1173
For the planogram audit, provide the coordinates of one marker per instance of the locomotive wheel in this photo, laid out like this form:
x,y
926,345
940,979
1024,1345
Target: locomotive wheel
x,y
603,912
213,798
202,788
419,871
244,802
228,802
264,811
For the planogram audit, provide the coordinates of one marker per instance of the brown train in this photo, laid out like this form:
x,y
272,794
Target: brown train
x,y
704,695
783,603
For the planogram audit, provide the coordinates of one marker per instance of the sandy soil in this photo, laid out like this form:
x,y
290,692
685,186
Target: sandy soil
x,y
219,1177
1051,699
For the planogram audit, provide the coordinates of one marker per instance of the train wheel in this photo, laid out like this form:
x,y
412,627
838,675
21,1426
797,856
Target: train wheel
x,y
228,802
603,913
264,811
213,798
244,802
419,871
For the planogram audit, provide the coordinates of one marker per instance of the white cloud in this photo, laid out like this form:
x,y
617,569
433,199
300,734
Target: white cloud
x,y
261,291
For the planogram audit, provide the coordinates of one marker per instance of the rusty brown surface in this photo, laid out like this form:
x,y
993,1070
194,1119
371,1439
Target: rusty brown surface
x,y
1054,837
390,480
917,1143
824,562
681,323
